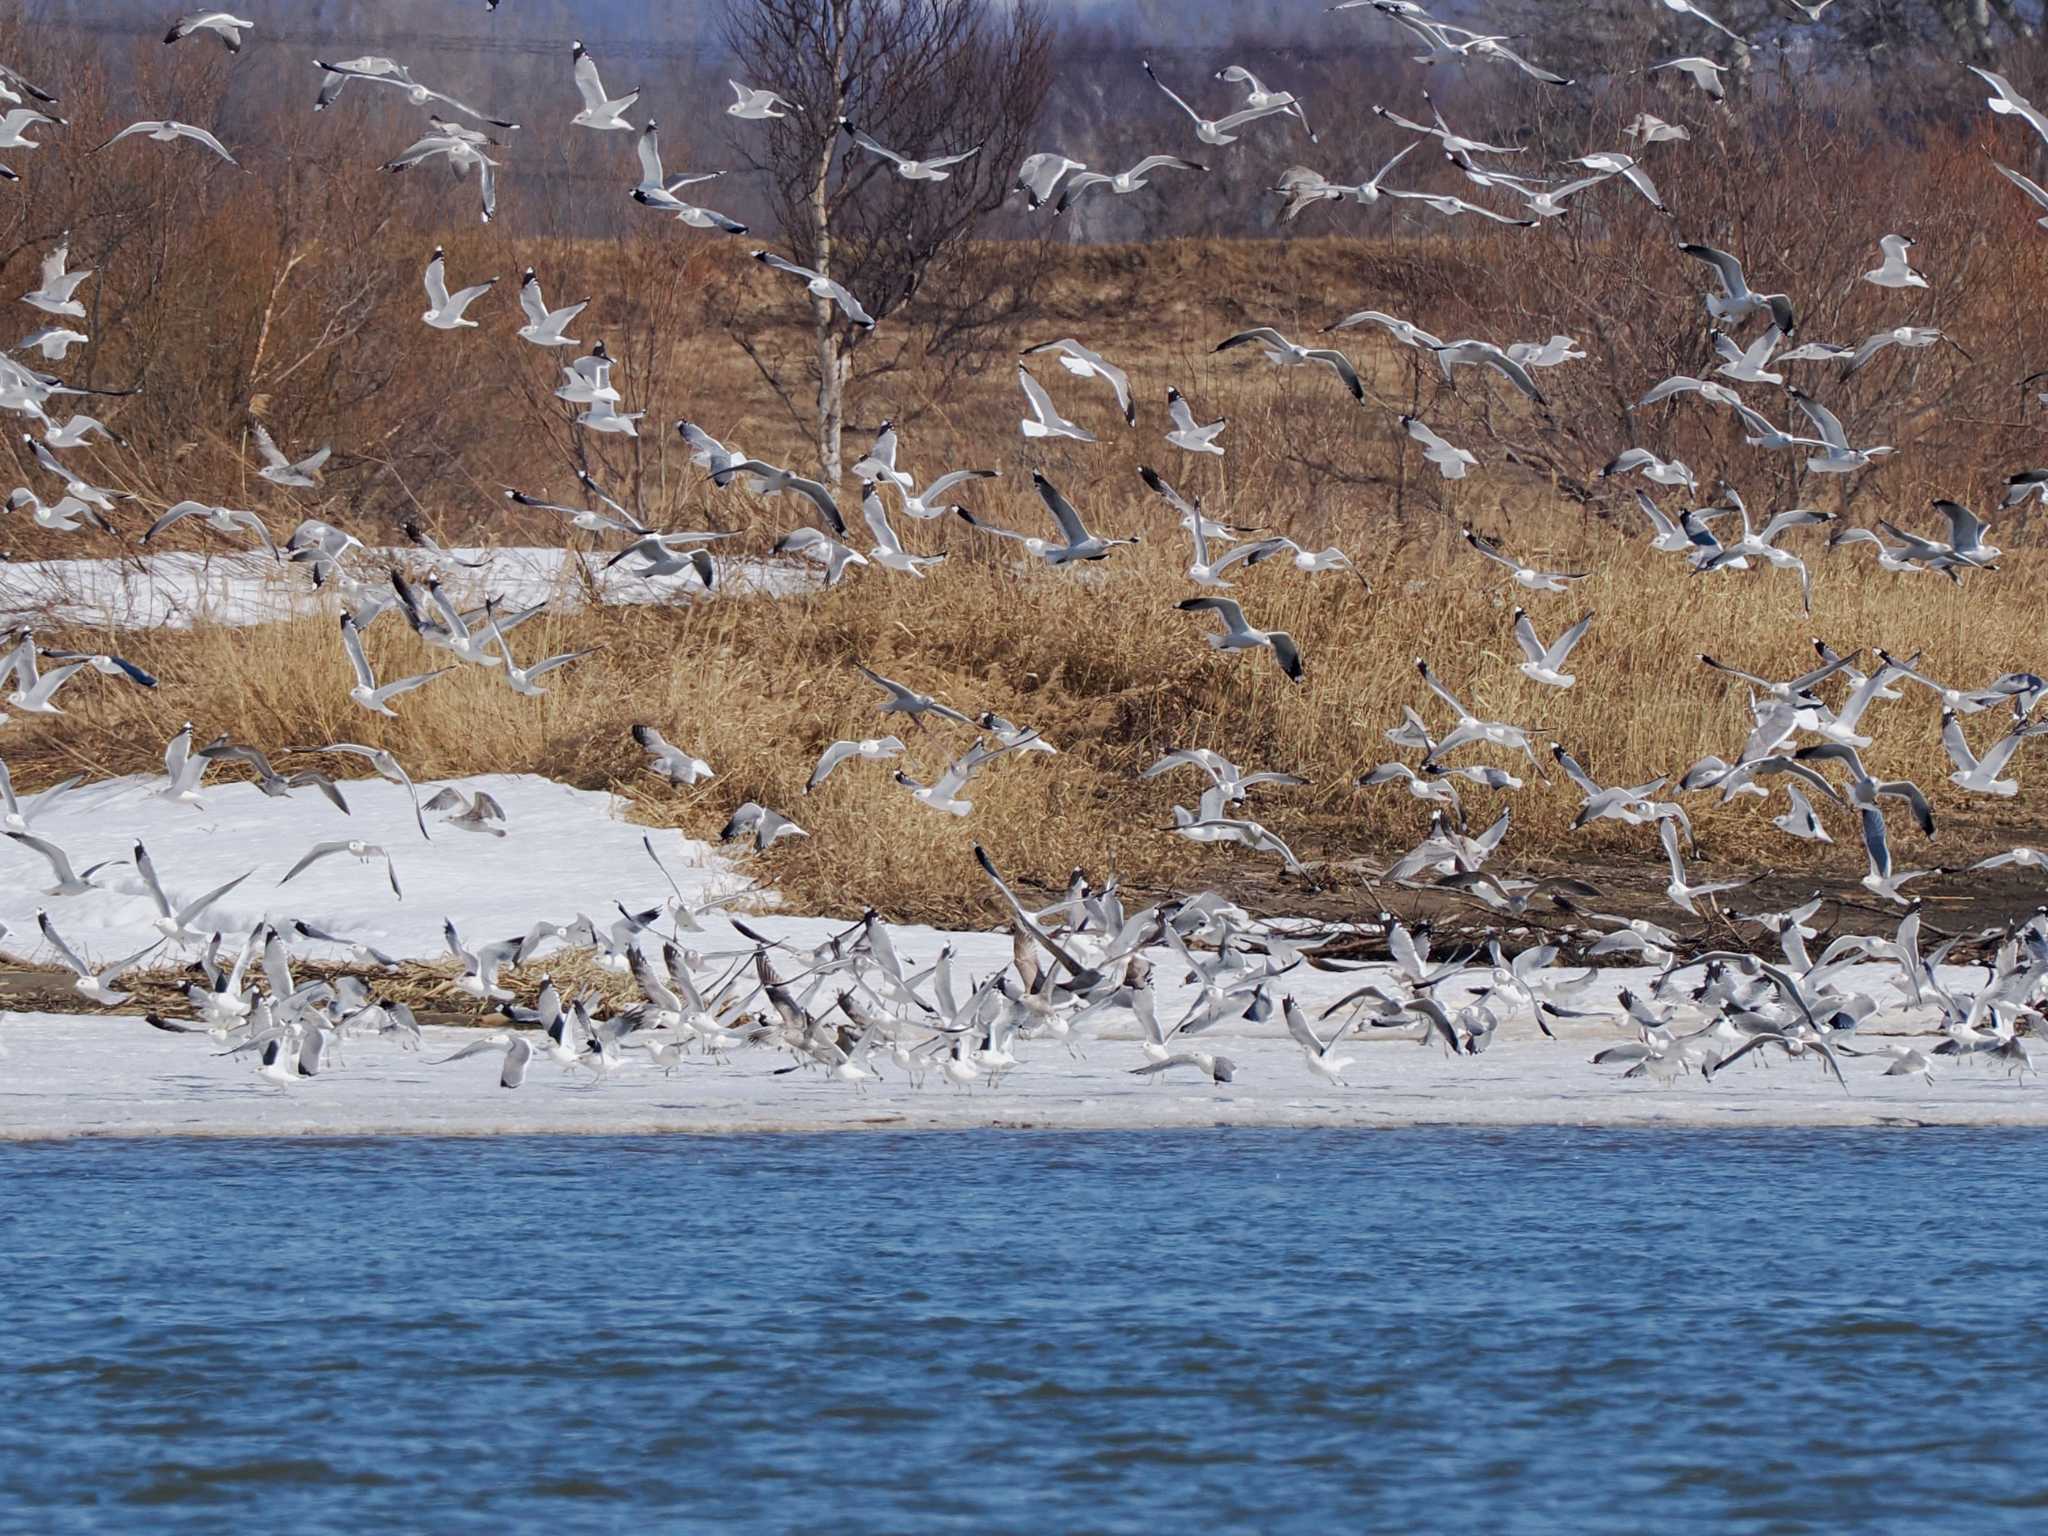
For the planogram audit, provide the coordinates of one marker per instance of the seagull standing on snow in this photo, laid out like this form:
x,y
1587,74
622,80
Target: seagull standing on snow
x,y
445,310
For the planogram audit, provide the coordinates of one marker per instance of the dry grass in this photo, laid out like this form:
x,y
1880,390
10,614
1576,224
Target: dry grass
x,y
1099,660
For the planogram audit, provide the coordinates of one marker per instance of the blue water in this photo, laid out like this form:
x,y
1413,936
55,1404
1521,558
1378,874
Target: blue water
x,y
1275,1331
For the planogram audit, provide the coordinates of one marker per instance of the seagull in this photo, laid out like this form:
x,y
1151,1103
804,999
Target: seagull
x,y
17,818
175,923
57,293
1084,363
1882,880
1763,546
1237,635
167,132
810,543
473,813
61,518
656,189
1040,174
96,986
1750,365
2026,184
1736,302
382,71
821,287
463,148
934,169
54,342
871,749
1801,821
1484,354
1451,462
73,486
1545,664
1469,727
1218,1069
546,327
1256,95
226,520
1279,350
669,761
1980,776
766,827
279,470
757,106
1840,458
225,25
1441,131
522,680
1612,162
1045,419
366,690
385,766
1525,575
1217,131
1303,187
1451,207
1680,893
600,111
1123,182
357,848
889,552
766,479
2005,101
944,795
908,701
33,694
1080,543
1652,129
445,310
518,1055
14,127
1658,471
1912,337
69,882
1687,8
1895,271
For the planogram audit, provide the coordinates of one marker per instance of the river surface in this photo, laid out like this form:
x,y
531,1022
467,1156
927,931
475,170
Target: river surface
x,y
1530,1331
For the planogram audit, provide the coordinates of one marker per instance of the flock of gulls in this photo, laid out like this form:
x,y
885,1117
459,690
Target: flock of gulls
x,y
855,1008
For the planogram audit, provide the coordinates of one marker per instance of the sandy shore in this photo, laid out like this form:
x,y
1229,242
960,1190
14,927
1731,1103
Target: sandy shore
x,y
66,1076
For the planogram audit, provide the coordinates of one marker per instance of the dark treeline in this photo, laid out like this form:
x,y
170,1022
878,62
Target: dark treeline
x,y
1102,109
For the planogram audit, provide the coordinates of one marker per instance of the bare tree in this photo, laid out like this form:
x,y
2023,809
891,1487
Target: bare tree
x,y
924,77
